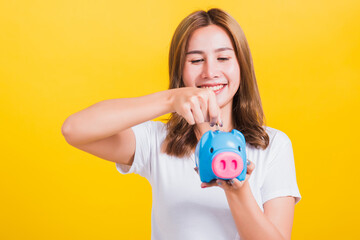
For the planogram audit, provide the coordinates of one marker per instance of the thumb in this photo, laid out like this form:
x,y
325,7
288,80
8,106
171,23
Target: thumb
x,y
250,166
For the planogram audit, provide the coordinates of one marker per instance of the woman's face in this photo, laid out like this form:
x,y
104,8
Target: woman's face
x,y
211,62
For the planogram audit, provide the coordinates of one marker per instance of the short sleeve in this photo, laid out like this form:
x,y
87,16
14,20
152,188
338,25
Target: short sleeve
x,y
280,178
146,137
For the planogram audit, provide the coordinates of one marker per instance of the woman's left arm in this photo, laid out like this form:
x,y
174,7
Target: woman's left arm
x,y
252,224
274,223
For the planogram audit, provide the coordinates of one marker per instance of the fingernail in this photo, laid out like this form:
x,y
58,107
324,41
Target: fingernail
x,y
212,124
218,182
221,124
247,162
203,186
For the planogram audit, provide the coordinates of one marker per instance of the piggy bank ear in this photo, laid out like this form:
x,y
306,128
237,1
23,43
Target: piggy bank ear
x,y
238,134
208,136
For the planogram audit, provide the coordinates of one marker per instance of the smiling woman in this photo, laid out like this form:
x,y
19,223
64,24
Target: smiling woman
x,y
212,80
209,49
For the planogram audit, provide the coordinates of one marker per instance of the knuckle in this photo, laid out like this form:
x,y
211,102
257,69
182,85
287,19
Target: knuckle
x,y
194,100
185,111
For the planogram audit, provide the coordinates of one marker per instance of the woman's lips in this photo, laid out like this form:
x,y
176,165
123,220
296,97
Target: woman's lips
x,y
216,88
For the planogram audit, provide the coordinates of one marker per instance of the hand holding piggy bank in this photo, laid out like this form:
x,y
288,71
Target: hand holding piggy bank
x,y
221,155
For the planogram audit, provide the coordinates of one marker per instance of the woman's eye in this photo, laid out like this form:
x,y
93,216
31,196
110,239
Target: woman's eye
x,y
201,60
196,61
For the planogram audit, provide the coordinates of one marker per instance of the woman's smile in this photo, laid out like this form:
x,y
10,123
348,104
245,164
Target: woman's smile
x,y
214,87
211,63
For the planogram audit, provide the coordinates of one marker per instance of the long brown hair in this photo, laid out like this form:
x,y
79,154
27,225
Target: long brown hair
x,y
247,112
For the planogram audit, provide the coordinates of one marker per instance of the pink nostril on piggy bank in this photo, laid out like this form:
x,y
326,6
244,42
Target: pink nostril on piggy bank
x,y
227,165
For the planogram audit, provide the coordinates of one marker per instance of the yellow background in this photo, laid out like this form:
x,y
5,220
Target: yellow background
x,y
59,57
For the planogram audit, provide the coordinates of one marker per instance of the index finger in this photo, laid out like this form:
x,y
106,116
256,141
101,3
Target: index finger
x,y
214,110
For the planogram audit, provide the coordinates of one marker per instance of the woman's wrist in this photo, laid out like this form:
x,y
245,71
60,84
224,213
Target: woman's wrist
x,y
171,93
238,194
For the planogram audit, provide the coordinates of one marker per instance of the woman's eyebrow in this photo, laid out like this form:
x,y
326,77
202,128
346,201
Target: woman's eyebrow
x,y
216,50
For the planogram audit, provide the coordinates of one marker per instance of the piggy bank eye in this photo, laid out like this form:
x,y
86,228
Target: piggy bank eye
x,y
211,150
239,148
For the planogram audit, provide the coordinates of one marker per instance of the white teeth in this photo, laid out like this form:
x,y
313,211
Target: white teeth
x,y
214,88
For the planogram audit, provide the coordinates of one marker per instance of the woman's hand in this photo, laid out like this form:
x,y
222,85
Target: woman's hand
x,y
234,184
196,105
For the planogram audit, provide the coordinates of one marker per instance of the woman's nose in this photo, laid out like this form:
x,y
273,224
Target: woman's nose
x,y
210,69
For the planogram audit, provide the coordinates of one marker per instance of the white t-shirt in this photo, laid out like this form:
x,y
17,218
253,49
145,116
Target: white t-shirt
x,y
181,209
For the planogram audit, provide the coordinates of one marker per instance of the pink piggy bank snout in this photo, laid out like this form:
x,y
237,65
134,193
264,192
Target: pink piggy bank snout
x,y
227,165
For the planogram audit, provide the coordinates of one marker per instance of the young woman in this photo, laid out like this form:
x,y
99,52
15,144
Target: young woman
x,y
212,81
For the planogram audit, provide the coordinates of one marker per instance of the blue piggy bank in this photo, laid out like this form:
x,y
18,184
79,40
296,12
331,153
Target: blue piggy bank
x,y
221,155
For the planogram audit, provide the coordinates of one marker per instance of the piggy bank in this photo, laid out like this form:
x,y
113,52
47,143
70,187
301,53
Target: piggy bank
x,y
221,155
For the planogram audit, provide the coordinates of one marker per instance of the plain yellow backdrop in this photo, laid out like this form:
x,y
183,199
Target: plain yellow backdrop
x,y
59,57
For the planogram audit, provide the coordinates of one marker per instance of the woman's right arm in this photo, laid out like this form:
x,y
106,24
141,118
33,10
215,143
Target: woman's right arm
x,y
104,129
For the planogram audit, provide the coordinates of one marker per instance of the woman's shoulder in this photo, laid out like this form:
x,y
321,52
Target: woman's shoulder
x,y
278,143
276,136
